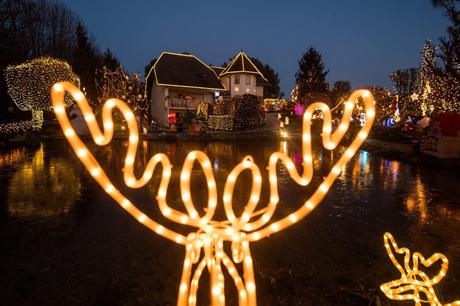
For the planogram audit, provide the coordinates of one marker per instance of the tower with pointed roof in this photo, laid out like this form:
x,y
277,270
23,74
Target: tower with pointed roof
x,y
241,76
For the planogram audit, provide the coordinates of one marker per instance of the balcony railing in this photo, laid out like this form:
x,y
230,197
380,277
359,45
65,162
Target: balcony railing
x,y
179,103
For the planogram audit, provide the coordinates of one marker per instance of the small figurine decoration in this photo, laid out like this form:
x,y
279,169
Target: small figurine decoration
x,y
414,284
205,244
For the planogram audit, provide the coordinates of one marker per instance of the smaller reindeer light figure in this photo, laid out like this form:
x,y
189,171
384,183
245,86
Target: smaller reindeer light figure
x,y
204,246
414,284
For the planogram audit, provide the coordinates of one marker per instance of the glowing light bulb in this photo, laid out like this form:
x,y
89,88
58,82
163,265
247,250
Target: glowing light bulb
x,y
82,153
79,96
59,109
58,87
69,132
89,117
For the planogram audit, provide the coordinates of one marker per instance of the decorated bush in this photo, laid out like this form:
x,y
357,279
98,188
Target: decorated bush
x,y
220,122
29,86
249,113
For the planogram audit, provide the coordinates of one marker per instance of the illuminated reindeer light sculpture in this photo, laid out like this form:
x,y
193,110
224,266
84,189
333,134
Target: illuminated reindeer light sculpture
x,y
205,247
414,284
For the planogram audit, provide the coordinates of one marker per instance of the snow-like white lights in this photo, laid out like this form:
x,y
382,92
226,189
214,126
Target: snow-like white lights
x,y
205,245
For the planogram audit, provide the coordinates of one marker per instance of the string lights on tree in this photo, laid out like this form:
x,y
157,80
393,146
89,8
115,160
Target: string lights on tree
x,y
438,90
204,248
414,284
29,87
119,84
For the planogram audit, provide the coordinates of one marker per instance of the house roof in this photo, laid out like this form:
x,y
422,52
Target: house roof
x,y
261,82
241,64
218,70
185,70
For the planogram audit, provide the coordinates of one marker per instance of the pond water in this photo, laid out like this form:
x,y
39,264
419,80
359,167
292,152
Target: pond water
x,y
65,242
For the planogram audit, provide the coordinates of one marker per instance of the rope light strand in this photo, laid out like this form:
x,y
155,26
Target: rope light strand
x,y
204,248
414,284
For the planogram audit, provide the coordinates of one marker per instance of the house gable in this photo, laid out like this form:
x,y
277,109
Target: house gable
x,y
186,71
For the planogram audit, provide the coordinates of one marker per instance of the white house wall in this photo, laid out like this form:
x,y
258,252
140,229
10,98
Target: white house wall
x,y
259,91
242,88
159,112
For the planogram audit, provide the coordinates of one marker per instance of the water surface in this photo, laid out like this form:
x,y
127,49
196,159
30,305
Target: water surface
x,y
64,242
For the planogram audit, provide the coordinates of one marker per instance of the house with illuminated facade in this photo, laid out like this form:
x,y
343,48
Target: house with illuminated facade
x,y
181,82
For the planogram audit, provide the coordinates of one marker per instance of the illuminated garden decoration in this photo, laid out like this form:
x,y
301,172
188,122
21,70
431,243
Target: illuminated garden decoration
x,y
121,85
438,91
414,284
28,87
204,248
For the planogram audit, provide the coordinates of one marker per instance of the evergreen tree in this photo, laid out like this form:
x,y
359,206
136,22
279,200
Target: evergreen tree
x,y
86,61
272,90
339,91
149,78
109,60
438,91
311,77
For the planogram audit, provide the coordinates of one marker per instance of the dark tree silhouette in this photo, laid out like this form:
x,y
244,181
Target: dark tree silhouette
x,y
272,89
149,78
86,61
450,44
339,90
405,82
311,77
109,60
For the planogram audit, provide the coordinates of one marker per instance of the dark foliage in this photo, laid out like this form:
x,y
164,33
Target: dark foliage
x,y
405,82
109,60
34,28
272,90
149,78
450,44
339,90
86,61
311,77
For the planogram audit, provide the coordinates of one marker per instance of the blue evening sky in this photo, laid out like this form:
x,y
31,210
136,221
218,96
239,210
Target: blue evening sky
x,y
361,40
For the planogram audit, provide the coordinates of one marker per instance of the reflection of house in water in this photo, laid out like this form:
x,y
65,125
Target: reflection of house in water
x,y
416,200
182,81
361,174
12,157
42,187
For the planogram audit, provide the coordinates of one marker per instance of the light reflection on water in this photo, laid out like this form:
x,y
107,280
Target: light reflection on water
x,y
47,183
12,157
43,187
371,195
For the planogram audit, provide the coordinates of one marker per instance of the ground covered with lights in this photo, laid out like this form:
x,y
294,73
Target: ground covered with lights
x,y
76,247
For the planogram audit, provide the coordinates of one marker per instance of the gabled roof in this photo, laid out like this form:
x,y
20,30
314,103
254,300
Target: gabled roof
x,y
218,70
241,64
185,70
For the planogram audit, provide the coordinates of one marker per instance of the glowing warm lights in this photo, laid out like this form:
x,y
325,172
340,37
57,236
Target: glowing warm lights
x,y
414,284
204,248
28,86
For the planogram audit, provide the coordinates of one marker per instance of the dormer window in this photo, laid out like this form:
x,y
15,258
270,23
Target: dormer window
x,y
237,79
248,80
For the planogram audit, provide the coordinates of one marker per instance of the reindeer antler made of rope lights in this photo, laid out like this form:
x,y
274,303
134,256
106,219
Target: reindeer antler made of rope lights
x,y
204,248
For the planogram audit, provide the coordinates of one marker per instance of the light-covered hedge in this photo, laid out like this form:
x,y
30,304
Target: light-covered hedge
x,y
220,122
